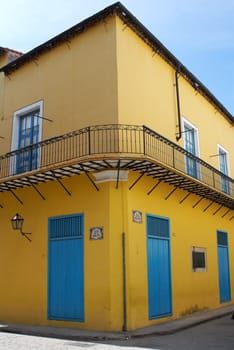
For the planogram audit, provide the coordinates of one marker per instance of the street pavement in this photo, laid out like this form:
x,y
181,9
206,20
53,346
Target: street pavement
x,y
9,341
216,334
212,329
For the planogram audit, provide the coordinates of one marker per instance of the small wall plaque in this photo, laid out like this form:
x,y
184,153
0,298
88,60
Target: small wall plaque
x,y
137,216
96,233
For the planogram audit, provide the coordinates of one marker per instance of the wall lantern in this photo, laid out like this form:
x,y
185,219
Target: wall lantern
x,y
17,224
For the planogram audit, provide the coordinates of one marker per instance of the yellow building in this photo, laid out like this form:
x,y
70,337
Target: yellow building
x,y
120,162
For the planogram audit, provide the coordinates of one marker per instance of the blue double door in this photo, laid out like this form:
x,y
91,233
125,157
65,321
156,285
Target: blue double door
x,y
159,267
66,268
223,267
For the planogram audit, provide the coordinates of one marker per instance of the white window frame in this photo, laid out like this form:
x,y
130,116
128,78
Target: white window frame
x,y
199,250
224,150
192,126
197,145
221,148
16,124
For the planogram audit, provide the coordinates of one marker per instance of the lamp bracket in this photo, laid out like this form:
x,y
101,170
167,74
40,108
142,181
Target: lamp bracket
x,y
25,234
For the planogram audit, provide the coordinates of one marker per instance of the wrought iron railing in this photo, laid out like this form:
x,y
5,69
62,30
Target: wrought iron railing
x,y
113,141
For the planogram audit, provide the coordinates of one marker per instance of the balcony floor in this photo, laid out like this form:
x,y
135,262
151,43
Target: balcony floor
x,y
142,165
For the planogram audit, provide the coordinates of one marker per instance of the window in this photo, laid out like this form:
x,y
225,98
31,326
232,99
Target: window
x,y
224,168
27,130
191,145
199,259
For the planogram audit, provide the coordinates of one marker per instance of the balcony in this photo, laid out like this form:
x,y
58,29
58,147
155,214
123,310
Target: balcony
x,y
96,148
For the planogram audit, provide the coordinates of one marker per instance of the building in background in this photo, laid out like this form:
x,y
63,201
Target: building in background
x,y
120,161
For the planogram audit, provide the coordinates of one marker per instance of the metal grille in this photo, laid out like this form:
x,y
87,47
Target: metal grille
x,y
199,260
158,227
64,227
222,238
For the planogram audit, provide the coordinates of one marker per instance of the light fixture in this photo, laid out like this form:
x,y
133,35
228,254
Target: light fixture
x,y
17,224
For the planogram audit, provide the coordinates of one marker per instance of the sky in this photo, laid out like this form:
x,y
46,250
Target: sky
x,y
200,33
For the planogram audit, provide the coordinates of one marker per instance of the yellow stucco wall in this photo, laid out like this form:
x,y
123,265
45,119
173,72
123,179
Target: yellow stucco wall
x,y
24,265
76,80
108,75
3,59
191,291
2,80
147,96
137,87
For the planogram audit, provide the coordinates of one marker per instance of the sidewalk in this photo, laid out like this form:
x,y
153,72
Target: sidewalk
x,y
159,329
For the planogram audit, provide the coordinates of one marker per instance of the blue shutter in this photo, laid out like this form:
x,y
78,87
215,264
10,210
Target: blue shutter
x,y
223,266
190,146
223,164
28,135
66,268
159,267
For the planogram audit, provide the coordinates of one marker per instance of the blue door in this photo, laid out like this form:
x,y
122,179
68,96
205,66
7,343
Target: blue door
x,y
223,265
190,146
159,267
66,268
28,135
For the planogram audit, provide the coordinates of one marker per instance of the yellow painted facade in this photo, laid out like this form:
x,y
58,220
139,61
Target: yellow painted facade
x,y
93,80
149,83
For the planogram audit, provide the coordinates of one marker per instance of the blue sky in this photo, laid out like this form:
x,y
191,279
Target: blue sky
x,y
200,33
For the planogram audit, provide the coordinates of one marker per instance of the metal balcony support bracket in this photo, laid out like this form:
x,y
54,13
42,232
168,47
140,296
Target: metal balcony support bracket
x,y
136,181
216,211
90,179
63,186
18,199
36,189
194,206
185,197
130,163
153,188
108,165
226,213
169,194
208,206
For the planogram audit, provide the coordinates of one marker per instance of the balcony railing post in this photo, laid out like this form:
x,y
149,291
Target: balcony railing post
x,y
213,179
173,156
89,141
144,145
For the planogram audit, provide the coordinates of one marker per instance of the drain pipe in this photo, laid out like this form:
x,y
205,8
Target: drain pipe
x,y
179,134
124,284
